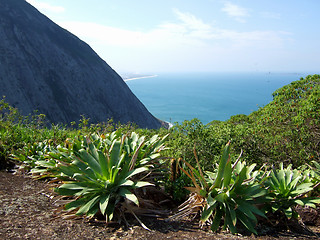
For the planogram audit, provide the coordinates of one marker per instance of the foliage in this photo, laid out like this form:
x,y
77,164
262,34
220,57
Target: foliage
x,y
208,141
285,130
22,133
226,195
105,170
286,190
175,181
288,128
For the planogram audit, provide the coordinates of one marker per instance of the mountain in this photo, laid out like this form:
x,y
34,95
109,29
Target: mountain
x,y
46,68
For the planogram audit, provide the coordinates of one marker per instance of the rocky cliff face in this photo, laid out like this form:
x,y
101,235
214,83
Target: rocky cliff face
x,y
44,67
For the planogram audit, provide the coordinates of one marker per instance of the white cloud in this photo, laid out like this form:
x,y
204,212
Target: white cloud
x,y
188,41
46,7
191,22
271,15
105,34
235,11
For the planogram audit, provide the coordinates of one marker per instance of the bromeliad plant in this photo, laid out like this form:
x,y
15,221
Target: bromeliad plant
x,y
287,188
104,173
43,159
228,195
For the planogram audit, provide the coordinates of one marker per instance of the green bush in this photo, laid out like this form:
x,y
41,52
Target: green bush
x,y
228,195
104,171
287,189
285,130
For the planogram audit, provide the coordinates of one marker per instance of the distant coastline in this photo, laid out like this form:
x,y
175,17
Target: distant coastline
x,y
134,78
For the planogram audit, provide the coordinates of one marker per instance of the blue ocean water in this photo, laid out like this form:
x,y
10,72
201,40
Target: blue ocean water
x,y
207,96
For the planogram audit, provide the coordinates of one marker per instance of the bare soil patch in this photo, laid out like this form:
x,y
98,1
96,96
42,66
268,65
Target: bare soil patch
x,y
27,212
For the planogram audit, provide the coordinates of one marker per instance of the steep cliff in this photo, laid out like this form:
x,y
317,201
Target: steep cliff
x,y
46,68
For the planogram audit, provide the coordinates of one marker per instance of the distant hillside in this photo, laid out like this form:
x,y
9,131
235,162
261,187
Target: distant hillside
x,y
45,67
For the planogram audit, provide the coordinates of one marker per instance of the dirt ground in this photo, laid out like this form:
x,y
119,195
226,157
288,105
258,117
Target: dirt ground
x,y
26,212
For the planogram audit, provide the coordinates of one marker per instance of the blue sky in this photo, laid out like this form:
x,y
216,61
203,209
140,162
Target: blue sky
x,y
187,35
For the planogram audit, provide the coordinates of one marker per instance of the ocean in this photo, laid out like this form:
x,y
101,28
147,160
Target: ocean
x,y
175,97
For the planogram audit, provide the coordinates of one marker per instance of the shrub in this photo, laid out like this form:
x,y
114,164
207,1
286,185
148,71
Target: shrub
x,y
227,195
287,189
105,170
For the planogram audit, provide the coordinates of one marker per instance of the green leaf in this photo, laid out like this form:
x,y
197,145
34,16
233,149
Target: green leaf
x,y
216,220
233,215
67,170
115,154
256,191
136,171
221,197
75,204
104,200
66,192
211,175
142,184
93,164
210,199
70,189
315,200
93,151
311,205
288,212
206,213
104,165
85,208
46,164
299,202
109,210
126,183
302,188
275,183
73,186
229,220
83,168
222,164
227,173
239,179
307,201
244,209
203,193
281,179
288,178
246,222
93,210
275,208
250,169
247,207
128,195
81,177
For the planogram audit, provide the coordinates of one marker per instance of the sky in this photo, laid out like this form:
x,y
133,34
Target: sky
x,y
144,36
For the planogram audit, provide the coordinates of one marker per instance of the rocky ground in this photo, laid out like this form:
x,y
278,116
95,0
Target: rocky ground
x,y
27,212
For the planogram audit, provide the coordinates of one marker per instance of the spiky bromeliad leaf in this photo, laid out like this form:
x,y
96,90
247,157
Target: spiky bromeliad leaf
x,y
246,222
128,195
90,160
207,212
222,165
104,201
88,206
216,220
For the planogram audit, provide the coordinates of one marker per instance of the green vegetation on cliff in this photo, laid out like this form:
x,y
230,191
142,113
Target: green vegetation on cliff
x,y
286,130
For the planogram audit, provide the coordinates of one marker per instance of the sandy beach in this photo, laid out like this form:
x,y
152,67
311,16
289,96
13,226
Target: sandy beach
x,y
130,79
